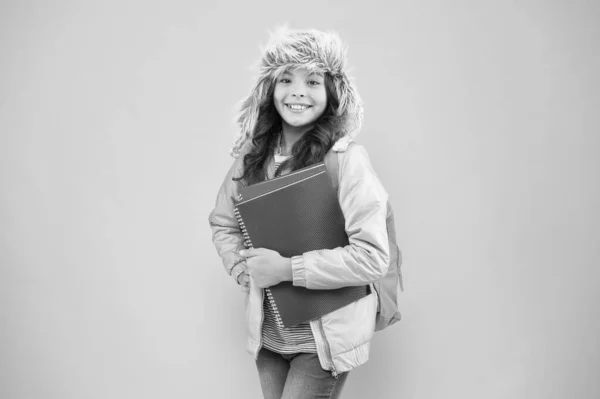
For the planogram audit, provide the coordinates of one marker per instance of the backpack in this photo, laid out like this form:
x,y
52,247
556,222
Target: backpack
x,y
386,286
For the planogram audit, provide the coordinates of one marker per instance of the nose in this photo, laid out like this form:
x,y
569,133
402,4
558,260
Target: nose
x,y
298,90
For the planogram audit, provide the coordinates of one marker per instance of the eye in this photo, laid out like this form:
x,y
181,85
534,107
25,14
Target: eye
x,y
314,82
284,80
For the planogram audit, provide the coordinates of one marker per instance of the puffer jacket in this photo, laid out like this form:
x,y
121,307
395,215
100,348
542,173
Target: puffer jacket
x,y
342,337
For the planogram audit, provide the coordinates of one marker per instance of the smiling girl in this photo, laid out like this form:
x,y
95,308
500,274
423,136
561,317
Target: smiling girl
x,y
303,108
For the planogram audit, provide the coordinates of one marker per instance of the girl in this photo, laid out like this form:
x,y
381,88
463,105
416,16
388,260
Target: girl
x,y
302,107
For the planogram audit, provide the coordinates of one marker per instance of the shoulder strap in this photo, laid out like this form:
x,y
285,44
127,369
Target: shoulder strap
x,y
332,163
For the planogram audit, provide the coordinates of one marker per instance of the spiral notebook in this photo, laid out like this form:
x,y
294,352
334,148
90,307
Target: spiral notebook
x,y
293,214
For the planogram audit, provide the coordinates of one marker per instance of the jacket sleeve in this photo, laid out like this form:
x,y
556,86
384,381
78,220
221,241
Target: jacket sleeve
x,y
363,200
226,234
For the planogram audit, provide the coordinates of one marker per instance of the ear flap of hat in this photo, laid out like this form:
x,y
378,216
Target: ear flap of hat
x,y
249,113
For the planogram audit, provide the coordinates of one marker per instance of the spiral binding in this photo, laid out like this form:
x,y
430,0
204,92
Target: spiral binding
x,y
274,306
238,216
248,244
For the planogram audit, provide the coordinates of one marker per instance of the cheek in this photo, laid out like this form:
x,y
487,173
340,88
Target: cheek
x,y
323,103
278,93
276,96
277,99
323,98
279,109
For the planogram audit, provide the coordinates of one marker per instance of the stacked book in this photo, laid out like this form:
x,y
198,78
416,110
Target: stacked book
x,y
294,214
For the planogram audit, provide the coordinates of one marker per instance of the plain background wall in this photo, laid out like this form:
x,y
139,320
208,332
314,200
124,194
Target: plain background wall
x,y
115,121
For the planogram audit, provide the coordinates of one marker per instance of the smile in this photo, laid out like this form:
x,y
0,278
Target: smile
x,y
297,107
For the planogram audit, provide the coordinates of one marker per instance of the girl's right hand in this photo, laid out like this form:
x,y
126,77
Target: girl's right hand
x,y
244,281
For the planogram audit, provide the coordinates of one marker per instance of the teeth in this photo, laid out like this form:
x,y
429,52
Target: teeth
x,y
297,106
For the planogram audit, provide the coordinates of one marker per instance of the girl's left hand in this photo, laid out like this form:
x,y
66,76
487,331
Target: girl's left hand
x,y
266,267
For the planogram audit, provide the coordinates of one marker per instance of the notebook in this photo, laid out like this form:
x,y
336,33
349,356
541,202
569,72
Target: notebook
x,y
293,214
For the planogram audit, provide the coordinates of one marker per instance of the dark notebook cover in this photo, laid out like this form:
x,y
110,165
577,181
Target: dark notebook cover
x,y
254,190
293,214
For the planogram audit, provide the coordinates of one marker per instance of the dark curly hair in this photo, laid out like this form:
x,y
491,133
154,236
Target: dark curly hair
x,y
308,150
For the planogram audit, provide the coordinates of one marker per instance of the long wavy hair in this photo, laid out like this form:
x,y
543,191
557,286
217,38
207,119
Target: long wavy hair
x,y
308,150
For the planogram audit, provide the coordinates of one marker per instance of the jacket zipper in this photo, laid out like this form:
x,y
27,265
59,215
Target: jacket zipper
x,y
328,350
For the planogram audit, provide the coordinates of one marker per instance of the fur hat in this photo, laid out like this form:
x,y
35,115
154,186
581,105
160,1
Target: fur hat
x,y
315,50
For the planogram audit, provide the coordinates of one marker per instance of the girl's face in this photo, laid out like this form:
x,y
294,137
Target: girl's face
x,y
300,98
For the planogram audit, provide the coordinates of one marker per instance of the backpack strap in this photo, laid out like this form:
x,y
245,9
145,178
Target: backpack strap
x,y
332,163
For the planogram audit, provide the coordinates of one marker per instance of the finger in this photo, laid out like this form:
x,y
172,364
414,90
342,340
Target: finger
x,y
247,253
240,277
251,252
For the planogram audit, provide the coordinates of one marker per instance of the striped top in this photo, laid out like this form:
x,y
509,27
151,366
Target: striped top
x,y
275,336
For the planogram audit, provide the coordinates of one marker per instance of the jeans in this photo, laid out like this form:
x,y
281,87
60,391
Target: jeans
x,y
297,376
